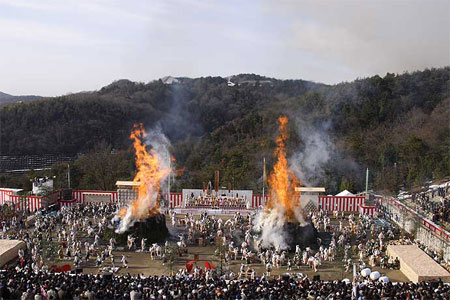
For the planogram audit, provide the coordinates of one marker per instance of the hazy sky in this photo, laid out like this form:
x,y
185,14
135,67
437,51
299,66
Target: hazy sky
x,y
54,47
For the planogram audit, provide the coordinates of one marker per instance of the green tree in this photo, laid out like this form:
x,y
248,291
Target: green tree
x,y
171,255
101,168
346,184
49,249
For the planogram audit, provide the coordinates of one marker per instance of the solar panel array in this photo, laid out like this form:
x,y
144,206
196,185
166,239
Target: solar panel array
x,y
23,163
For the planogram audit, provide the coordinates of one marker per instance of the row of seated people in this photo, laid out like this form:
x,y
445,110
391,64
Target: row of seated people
x,y
216,202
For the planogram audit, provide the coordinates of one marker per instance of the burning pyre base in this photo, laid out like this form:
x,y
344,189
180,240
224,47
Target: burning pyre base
x,y
296,234
153,229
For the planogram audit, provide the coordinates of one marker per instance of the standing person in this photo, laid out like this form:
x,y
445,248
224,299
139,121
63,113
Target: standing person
x,y
241,271
143,244
124,261
316,263
268,269
135,295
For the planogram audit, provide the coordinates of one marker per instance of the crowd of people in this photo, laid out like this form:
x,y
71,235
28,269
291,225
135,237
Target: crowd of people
x,y
72,233
77,234
434,204
9,218
216,202
26,284
352,235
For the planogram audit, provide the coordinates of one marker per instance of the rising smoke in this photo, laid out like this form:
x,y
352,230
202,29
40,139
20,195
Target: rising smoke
x,y
319,160
161,145
270,224
182,120
309,161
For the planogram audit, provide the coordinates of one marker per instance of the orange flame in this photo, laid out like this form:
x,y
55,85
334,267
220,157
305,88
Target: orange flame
x,y
282,180
149,175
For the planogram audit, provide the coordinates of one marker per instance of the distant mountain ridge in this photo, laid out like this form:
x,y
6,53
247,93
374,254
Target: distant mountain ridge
x,y
9,99
5,96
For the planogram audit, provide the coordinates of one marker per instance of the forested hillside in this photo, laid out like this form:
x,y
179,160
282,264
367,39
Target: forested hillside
x,y
396,125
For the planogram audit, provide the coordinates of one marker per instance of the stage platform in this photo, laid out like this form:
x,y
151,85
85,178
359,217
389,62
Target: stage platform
x,y
416,264
9,249
210,211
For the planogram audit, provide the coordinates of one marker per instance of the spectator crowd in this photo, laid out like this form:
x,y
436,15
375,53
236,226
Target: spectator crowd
x,y
78,234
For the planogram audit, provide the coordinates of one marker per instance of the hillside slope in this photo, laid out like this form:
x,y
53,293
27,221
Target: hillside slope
x,y
396,125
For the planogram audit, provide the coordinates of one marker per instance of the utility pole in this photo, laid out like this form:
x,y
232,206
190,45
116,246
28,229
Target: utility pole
x,y
367,180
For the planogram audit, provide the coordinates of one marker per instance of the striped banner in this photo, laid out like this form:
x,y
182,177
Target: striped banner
x,y
4,195
258,201
64,203
31,203
338,203
329,203
175,200
368,210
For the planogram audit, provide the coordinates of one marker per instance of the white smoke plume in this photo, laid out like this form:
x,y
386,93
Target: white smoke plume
x,y
270,225
158,146
161,144
308,162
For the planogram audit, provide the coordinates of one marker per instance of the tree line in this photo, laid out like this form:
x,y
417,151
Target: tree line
x,y
396,125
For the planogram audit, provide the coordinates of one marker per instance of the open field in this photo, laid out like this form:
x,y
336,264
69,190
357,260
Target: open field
x,y
141,263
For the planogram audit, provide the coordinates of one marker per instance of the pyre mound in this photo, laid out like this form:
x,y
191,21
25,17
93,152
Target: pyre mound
x,y
296,234
153,228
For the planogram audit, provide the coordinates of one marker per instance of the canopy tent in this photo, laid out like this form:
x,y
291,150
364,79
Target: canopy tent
x,y
345,193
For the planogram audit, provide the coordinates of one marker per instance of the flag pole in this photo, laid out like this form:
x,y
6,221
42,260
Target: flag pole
x,y
367,180
68,175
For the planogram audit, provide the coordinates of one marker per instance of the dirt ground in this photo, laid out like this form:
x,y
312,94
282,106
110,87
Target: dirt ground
x,y
141,263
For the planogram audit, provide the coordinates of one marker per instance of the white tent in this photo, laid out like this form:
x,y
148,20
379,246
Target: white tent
x,y
345,193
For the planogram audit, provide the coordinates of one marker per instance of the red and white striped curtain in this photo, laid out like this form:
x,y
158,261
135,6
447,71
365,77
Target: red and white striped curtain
x,y
31,203
338,203
175,200
258,200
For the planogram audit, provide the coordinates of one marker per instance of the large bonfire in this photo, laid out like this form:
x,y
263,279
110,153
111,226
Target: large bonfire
x,y
283,205
151,171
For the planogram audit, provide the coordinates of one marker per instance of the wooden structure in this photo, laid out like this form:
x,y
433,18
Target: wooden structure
x,y
9,250
416,264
